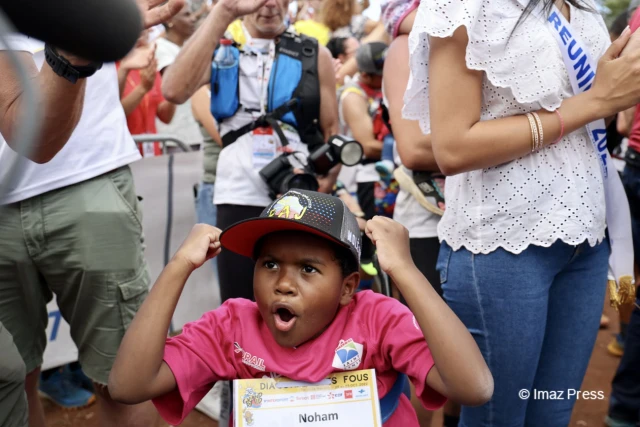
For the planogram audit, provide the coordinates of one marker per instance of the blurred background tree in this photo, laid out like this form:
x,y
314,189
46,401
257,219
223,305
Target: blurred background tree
x,y
612,8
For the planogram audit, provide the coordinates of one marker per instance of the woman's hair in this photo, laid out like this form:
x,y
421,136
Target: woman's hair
x,y
336,46
547,5
338,13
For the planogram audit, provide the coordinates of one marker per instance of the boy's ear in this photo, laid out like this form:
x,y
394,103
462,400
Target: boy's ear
x,y
349,286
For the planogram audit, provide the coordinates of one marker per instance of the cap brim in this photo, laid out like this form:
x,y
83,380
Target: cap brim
x,y
242,237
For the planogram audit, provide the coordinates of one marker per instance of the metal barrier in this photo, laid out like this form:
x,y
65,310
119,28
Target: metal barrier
x,y
184,147
162,139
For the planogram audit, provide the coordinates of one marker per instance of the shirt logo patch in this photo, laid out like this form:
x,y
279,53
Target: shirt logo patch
x,y
249,359
348,355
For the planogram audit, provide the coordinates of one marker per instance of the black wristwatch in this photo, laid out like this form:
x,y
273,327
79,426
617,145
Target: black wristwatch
x,y
63,68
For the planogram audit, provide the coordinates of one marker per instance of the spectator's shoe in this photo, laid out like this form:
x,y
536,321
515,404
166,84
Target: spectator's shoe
x,y
426,187
616,346
78,377
385,170
613,422
369,268
60,388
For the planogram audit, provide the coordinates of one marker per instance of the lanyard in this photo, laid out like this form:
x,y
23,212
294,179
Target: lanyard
x,y
265,64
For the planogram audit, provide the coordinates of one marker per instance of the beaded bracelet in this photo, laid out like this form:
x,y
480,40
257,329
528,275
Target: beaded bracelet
x,y
561,126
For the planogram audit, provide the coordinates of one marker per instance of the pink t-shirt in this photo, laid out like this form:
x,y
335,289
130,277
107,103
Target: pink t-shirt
x,y
234,342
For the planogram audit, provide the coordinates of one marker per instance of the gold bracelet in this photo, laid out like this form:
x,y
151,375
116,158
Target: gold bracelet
x,y
534,132
540,130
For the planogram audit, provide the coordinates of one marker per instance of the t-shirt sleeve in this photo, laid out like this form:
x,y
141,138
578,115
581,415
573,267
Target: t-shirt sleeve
x,y
198,357
401,342
18,42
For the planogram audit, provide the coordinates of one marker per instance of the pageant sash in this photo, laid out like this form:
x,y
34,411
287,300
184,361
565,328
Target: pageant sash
x,y
582,71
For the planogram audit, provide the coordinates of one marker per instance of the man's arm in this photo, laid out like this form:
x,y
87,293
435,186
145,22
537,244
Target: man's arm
x,y
192,67
356,114
61,102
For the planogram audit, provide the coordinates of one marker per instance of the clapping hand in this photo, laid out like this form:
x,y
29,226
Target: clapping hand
x,y
154,12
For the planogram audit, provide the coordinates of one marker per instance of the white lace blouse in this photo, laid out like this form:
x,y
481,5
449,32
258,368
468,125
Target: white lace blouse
x,y
556,193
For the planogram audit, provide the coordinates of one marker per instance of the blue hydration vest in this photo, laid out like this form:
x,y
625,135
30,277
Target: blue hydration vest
x,y
293,95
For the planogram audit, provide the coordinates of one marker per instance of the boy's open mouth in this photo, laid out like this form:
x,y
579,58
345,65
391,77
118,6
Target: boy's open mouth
x,y
284,318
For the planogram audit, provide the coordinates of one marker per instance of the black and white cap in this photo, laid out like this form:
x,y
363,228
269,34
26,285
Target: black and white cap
x,y
297,210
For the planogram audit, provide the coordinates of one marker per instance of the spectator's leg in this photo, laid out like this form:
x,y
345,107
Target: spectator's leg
x,y
235,271
625,394
572,324
13,400
93,261
24,295
36,412
502,299
206,211
367,203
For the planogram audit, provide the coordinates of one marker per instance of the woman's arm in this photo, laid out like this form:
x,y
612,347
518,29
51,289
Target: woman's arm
x,y
200,103
133,99
461,142
139,373
460,372
413,146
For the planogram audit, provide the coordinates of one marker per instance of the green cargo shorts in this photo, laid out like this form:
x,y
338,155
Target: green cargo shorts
x,y
83,243
13,399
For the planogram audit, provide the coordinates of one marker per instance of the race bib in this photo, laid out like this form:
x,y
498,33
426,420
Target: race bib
x,y
264,147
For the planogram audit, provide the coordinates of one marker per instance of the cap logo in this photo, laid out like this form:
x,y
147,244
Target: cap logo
x,y
288,207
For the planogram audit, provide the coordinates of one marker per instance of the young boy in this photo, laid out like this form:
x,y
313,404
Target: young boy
x,y
306,246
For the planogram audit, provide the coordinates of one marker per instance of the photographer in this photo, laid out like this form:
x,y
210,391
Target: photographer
x,y
274,64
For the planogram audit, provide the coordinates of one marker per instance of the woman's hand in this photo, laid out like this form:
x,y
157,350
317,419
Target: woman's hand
x,y
617,83
148,75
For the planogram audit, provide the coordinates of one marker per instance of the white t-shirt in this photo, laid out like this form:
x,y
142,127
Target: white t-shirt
x,y
100,143
554,194
183,125
238,181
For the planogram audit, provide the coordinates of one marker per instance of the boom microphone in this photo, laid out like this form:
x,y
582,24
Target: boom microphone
x,y
96,30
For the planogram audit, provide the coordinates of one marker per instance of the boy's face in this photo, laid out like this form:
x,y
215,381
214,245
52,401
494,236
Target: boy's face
x,y
298,286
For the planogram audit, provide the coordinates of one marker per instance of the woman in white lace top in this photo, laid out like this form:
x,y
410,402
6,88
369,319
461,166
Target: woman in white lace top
x,y
524,254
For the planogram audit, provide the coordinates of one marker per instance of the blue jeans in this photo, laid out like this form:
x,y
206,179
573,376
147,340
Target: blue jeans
x,y
387,148
206,211
535,317
625,393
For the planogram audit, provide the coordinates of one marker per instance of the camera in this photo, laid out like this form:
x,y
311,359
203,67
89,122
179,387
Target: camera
x,y
280,177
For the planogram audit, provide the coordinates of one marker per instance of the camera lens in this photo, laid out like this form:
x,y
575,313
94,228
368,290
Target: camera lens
x,y
351,153
301,181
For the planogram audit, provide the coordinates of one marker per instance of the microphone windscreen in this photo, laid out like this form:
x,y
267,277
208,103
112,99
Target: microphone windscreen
x,y
96,30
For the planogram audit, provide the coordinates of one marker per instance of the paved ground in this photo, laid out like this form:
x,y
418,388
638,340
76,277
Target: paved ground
x,y
585,414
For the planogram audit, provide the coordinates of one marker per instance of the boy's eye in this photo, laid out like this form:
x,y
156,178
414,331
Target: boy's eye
x,y
308,269
270,265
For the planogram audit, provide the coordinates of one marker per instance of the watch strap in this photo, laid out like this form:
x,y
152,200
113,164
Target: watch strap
x,y
62,67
